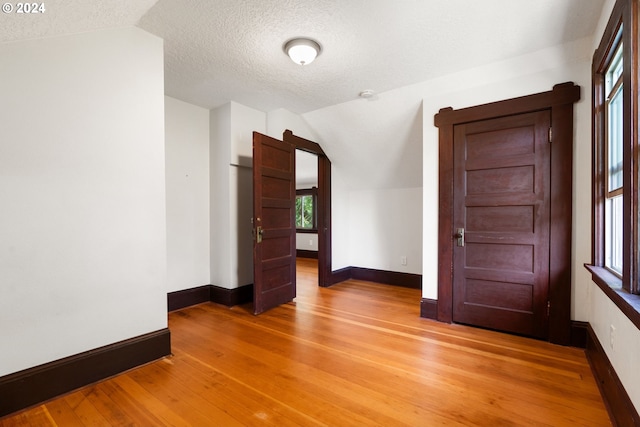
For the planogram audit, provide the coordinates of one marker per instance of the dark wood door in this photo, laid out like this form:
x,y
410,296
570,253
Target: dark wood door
x,y
274,247
501,223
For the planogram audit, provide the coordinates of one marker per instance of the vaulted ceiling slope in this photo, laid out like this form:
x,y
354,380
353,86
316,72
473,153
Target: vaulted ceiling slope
x,y
218,51
223,50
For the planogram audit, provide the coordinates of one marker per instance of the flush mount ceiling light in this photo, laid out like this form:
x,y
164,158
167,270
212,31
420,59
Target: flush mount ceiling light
x,y
368,93
302,51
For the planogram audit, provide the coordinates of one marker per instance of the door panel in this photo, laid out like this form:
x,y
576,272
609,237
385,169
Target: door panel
x,y
504,218
500,178
501,200
274,247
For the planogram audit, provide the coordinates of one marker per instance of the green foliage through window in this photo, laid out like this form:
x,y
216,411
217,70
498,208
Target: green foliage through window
x,y
305,211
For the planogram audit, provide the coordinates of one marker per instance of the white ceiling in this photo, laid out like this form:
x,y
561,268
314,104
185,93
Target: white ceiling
x,y
218,51
222,50
62,17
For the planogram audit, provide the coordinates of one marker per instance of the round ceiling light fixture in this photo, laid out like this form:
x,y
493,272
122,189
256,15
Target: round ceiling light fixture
x,y
302,51
367,93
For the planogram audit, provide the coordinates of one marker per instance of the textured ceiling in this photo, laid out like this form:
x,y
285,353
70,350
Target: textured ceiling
x,y
63,17
222,50
218,51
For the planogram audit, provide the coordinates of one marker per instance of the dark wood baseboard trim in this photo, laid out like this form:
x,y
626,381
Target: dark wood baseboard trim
x,y
188,297
244,294
395,278
429,308
339,276
579,331
32,386
301,253
231,297
621,409
209,293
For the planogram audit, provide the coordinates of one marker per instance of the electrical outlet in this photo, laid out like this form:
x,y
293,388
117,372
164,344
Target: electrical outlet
x,y
612,335
310,242
403,260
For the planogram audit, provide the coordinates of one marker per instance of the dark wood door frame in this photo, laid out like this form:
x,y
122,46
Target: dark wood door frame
x,y
560,102
324,204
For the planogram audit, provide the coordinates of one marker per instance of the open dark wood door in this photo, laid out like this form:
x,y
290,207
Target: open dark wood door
x,y
274,246
501,220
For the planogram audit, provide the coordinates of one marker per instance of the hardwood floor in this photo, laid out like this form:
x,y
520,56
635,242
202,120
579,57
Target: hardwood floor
x,y
354,354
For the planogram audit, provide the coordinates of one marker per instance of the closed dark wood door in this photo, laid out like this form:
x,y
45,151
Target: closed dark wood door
x,y
501,223
274,247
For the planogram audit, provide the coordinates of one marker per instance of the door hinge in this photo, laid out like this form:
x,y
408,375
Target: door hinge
x,y
548,308
550,134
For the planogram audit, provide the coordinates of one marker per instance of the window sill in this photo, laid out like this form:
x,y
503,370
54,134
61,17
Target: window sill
x,y
611,285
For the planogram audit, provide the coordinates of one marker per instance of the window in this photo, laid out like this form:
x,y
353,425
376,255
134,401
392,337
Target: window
x,y
615,154
614,172
306,210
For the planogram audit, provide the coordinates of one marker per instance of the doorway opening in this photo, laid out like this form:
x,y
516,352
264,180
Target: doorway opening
x,y
274,202
306,209
323,201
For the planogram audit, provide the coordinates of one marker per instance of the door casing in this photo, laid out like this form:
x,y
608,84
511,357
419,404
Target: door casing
x,y
324,203
560,102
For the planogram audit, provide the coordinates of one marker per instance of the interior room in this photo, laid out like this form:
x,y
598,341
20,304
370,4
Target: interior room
x,y
127,163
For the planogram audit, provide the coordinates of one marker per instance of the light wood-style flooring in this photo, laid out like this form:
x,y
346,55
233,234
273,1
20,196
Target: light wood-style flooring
x,y
355,354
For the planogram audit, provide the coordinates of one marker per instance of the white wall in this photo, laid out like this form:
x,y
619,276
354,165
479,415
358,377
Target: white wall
x,y
241,205
384,227
376,150
82,184
281,119
340,205
623,355
219,156
231,153
307,241
244,121
187,178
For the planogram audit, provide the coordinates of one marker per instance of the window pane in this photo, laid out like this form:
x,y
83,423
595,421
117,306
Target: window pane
x,y
307,212
614,141
304,211
613,234
614,72
614,172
